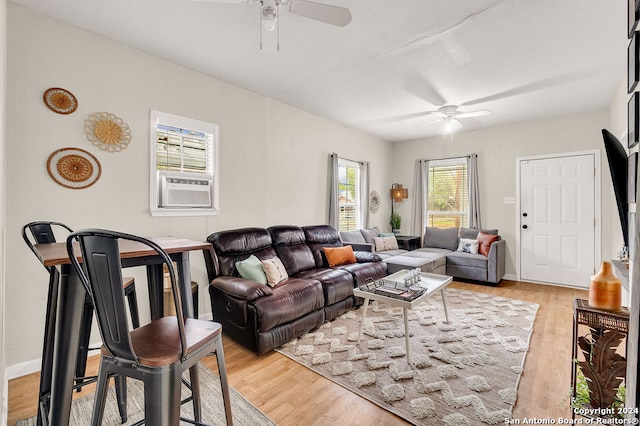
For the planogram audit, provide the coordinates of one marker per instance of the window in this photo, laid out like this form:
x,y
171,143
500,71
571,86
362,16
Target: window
x,y
348,195
184,172
448,199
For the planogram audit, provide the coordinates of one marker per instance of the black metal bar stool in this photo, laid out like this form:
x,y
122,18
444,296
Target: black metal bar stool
x,y
158,353
43,233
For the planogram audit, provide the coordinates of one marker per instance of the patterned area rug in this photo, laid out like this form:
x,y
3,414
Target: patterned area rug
x,y
242,411
465,372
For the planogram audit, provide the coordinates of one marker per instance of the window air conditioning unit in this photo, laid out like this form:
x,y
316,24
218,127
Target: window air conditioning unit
x,y
185,190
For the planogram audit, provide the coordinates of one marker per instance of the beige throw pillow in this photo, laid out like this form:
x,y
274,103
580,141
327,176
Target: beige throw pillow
x,y
274,270
386,243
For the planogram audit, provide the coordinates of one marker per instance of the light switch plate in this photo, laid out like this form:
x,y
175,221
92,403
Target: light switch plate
x,y
509,200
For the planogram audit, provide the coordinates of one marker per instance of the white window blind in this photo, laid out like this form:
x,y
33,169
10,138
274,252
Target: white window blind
x,y
448,200
183,150
348,195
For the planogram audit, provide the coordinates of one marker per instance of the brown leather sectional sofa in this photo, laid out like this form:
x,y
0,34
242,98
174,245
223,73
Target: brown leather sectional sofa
x,y
262,317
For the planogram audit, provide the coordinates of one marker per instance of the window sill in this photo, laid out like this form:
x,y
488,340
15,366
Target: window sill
x,y
183,212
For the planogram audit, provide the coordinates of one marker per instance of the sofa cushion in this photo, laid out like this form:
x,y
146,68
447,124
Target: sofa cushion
x,y
466,259
291,247
337,284
352,237
472,233
251,269
446,238
274,270
390,253
319,237
234,245
467,245
291,299
386,243
370,234
339,255
485,240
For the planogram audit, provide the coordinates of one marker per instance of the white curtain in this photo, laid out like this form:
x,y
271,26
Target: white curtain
x,y
364,194
474,192
333,191
420,185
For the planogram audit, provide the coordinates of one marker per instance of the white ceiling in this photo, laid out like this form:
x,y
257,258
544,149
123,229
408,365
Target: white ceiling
x,y
520,59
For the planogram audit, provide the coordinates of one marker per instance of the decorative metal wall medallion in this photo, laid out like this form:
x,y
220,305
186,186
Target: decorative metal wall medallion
x,y
60,100
73,168
374,202
107,132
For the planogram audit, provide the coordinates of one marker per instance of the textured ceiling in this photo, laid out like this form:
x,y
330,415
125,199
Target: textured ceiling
x,y
520,59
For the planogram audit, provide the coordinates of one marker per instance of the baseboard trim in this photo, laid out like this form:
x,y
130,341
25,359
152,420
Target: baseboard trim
x,y
33,366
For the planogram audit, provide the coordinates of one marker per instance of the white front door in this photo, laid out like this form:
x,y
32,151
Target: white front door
x,y
557,219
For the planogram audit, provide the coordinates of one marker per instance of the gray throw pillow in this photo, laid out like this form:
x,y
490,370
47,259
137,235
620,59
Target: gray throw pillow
x,y
370,234
446,238
352,237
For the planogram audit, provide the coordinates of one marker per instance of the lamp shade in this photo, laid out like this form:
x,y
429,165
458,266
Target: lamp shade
x,y
398,193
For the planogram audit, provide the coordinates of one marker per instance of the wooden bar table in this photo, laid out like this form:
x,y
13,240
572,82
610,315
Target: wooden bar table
x,y
60,350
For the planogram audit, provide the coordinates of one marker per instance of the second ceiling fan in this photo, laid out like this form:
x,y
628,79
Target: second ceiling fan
x,y
449,114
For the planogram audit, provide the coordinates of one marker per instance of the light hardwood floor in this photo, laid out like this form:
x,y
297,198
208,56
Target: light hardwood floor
x,y
291,394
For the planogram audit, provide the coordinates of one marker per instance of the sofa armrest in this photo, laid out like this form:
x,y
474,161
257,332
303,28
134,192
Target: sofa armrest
x,y
366,257
360,246
495,266
241,288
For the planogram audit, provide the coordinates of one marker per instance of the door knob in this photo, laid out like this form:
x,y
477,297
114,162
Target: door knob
x,y
525,214
524,226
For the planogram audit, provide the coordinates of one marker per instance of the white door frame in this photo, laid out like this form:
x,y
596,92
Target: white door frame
x,y
597,200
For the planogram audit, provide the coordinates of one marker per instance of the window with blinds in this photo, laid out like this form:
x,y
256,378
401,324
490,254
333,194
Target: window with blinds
x,y
348,195
184,175
448,200
183,150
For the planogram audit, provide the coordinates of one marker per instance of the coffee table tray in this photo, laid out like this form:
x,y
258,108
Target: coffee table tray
x,y
395,286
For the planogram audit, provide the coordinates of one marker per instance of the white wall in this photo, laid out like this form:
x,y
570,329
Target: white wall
x,y
273,158
3,63
497,150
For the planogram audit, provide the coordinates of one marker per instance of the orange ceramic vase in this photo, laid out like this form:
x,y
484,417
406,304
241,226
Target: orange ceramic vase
x,y
605,291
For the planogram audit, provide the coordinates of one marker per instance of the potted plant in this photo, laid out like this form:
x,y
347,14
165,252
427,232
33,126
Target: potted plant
x,y
396,222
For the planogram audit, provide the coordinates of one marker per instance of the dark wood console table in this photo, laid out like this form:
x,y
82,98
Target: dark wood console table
x,y
408,242
600,321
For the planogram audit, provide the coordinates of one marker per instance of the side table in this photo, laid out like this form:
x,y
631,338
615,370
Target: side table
x,y
598,320
408,242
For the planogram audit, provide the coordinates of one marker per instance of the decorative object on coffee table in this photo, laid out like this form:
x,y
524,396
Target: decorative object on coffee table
x,y
60,100
73,168
107,132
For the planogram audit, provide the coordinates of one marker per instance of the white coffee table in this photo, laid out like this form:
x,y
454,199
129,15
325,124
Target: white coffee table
x,y
432,283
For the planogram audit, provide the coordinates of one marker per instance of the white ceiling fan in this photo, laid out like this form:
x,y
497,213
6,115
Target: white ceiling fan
x,y
450,115
270,12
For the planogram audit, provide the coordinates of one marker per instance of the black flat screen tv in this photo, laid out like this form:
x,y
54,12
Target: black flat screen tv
x,y
617,157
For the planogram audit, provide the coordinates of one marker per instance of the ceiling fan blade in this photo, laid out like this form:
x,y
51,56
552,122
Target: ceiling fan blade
x,y
429,122
326,13
402,117
478,113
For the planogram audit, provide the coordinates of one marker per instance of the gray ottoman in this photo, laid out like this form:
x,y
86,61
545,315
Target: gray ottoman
x,y
435,263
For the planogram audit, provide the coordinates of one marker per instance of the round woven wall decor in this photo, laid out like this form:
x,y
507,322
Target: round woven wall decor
x,y
73,168
107,132
60,100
